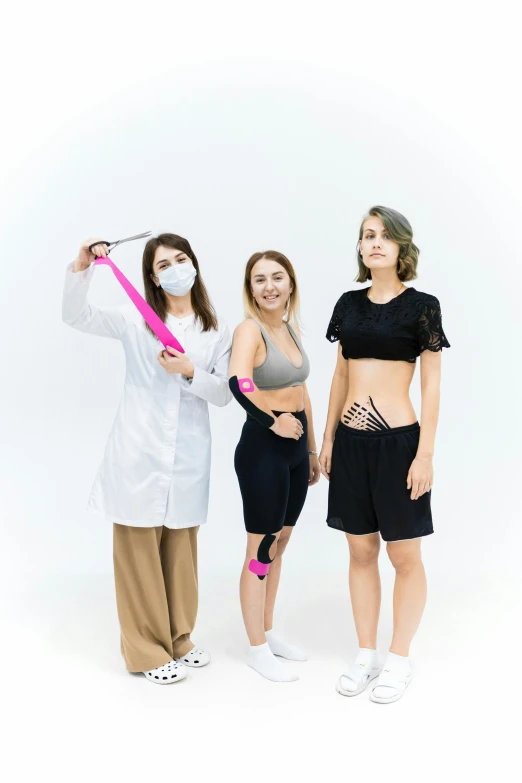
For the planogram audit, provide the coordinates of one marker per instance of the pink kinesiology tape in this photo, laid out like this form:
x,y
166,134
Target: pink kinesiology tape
x,y
260,569
246,385
163,334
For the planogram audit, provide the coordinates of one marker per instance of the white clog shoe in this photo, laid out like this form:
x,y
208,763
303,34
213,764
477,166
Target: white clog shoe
x,y
173,671
195,658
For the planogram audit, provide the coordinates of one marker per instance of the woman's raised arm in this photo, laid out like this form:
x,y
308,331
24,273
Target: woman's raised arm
x,y
76,310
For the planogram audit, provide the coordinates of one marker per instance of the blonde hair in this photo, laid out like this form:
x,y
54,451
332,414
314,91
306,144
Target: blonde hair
x,y
400,231
292,307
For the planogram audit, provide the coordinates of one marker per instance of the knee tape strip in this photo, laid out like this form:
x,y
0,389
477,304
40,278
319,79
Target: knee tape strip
x,y
259,569
239,388
261,566
263,550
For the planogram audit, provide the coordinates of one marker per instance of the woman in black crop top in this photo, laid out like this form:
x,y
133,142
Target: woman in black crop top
x,y
375,454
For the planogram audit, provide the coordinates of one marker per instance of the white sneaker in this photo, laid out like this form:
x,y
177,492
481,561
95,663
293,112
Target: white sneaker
x,y
168,674
195,658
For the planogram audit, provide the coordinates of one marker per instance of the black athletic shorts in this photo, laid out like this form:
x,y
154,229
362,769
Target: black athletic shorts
x,y
367,492
273,475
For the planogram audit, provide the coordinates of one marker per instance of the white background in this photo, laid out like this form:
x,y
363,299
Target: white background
x,y
246,127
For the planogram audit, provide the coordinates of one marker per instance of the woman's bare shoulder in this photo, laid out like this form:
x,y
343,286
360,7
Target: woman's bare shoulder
x,y
247,328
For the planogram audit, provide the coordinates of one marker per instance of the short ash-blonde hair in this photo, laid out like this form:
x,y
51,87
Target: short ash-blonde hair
x,y
400,231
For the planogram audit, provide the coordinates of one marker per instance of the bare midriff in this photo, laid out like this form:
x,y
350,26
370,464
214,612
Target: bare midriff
x,y
290,399
378,389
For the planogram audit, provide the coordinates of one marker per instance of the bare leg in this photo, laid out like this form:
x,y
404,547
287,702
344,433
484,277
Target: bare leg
x,y
409,595
252,591
365,586
272,580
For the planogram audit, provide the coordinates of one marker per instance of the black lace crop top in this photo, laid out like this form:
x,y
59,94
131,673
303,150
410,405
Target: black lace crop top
x,y
399,330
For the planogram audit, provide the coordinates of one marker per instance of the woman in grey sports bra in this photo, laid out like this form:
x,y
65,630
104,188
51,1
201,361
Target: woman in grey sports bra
x,y
276,458
276,371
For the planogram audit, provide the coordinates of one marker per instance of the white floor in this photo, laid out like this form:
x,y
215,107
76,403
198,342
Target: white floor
x,y
71,712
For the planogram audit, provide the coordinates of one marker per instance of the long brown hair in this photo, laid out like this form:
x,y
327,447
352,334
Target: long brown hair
x,y
156,296
400,231
252,310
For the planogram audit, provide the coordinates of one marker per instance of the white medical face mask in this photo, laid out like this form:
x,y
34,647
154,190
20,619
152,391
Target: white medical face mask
x,y
178,279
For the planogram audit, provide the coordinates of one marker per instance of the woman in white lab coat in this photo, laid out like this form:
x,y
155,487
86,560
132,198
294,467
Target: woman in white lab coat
x,y
153,481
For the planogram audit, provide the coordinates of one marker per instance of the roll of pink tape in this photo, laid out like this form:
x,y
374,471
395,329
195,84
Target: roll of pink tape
x,y
163,334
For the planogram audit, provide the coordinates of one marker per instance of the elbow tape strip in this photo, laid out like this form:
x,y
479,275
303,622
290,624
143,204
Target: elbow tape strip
x,y
240,387
246,385
163,334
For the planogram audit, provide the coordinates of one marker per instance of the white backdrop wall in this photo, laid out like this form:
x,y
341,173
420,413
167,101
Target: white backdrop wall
x,y
237,171
245,129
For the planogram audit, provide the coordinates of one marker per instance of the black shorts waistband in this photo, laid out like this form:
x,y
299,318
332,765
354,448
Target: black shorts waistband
x,y
301,415
298,414
351,431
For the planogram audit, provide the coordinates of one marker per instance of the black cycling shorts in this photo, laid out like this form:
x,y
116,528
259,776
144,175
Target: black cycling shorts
x,y
273,475
367,492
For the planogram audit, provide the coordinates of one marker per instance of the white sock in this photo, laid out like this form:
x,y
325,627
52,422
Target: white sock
x,y
399,665
262,659
278,647
365,657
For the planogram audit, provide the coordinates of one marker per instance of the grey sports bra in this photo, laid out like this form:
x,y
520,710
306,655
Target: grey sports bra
x,y
277,371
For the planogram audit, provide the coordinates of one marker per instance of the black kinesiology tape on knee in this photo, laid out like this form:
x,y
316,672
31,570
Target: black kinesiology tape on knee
x,y
263,550
236,387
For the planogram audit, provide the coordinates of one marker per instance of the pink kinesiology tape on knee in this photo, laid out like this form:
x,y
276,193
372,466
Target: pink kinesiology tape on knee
x,y
163,334
257,568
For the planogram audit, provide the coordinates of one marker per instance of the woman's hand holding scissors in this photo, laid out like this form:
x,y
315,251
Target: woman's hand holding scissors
x,y
86,256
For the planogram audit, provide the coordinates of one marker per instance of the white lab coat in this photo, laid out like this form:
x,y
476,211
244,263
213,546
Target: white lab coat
x,y
156,466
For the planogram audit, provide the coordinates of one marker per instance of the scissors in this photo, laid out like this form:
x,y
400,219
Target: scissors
x,y
112,245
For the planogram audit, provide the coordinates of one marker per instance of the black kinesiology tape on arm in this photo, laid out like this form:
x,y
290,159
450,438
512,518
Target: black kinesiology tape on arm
x,y
245,383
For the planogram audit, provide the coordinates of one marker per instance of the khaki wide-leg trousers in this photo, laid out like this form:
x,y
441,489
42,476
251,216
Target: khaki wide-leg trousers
x,y
156,576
